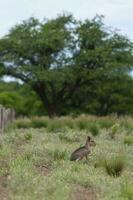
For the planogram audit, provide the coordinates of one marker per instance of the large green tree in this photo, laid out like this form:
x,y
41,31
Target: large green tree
x,y
58,57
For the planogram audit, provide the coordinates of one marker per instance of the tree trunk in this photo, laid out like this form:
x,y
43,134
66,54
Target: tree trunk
x,y
53,111
52,107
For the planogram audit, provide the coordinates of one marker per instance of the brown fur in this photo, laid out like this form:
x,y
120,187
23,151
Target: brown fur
x,y
83,151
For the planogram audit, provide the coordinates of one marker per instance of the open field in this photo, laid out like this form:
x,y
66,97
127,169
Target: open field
x,y
34,159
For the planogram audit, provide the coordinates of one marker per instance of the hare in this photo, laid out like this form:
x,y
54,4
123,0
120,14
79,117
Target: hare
x,y
83,151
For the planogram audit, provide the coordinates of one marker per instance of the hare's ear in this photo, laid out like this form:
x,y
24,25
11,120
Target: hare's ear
x,y
89,138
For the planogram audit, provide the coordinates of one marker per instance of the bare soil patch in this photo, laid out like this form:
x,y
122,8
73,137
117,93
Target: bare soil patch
x,y
44,170
83,193
3,188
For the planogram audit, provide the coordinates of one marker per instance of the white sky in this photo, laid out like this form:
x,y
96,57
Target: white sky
x,y
118,13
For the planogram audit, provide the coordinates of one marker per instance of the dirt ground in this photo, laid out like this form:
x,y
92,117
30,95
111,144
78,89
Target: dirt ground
x,y
83,193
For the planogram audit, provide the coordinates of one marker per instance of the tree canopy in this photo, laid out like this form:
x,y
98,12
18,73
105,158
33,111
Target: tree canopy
x,y
63,57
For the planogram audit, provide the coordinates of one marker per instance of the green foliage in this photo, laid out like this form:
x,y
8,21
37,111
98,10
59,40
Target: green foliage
x,y
21,98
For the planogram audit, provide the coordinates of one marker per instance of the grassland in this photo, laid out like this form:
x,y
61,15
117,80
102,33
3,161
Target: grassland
x,y
34,159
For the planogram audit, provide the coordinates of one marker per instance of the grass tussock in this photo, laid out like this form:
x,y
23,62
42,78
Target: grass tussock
x,y
114,165
40,122
128,140
105,123
94,129
114,130
28,136
82,123
22,123
60,154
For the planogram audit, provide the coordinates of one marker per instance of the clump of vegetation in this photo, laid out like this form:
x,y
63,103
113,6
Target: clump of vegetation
x,y
128,140
1,144
40,122
23,123
127,124
59,154
115,165
105,122
94,129
68,122
82,123
54,125
28,136
113,130
127,191
66,138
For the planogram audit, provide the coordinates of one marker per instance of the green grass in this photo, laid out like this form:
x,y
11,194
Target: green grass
x,y
34,161
127,190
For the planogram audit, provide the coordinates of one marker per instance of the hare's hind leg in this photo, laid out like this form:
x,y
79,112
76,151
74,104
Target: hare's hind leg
x,y
79,158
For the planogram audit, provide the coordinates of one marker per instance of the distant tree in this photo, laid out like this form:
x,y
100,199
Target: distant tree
x,y
60,56
116,96
21,98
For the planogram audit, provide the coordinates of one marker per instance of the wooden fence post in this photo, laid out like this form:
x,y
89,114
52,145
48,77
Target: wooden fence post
x,y
6,116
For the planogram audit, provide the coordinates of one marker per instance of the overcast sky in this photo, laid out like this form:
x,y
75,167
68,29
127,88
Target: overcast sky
x,y
118,13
